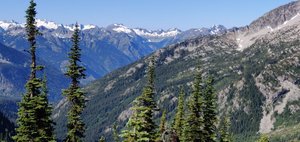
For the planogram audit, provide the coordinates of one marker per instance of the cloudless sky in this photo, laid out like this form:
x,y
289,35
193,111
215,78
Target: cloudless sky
x,y
150,14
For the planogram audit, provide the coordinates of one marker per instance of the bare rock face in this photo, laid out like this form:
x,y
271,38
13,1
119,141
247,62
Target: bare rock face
x,y
282,17
275,17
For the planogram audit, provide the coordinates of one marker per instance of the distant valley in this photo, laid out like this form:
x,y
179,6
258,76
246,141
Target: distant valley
x,y
103,49
256,69
257,79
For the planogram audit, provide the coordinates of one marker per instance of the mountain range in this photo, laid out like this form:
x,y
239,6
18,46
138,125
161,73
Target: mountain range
x,y
103,49
256,71
14,71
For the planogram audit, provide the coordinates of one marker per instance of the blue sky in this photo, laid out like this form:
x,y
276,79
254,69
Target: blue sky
x,y
150,14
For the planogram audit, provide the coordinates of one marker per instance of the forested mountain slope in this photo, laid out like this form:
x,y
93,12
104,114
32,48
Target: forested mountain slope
x,y
256,70
7,128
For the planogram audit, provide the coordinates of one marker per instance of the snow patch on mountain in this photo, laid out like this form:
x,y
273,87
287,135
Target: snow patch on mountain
x,y
47,24
81,27
87,27
217,29
121,28
70,27
59,35
160,33
244,40
6,25
149,35
292,21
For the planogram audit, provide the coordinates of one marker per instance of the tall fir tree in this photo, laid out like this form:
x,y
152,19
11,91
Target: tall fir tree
x,y
115,133
225,135
44,114
179,120
133,131
163,122
74,93
141,126
210,111
193,127
34,114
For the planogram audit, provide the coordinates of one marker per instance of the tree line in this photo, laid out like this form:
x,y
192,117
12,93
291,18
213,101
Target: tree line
x,y
196,119
197,123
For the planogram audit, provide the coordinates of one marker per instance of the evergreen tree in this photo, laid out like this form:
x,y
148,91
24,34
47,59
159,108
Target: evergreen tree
x,y
45,121
163,122
141,126
102,139
34,121
169,136
225,136
193,127
6,129
263,138
179,120
133,131
74,93
115,133
210,111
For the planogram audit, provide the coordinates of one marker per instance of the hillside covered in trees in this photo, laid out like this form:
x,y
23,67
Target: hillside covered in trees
x,y
7,129
260,82
240,85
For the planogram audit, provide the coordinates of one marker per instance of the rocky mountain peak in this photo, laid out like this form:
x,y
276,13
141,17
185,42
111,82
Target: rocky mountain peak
x,y
9,24
218,29
276,17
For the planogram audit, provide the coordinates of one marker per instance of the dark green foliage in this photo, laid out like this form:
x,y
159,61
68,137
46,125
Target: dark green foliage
x,y
32,32
6,129
141,126
74,93
115,133
286,134
287,117
210,111
163,122
179,120
27,126
193,127
102,139
287,123
133,130
240,119
263,138
225,135
44,114
170,136
223,63
26,130
103,102
34,114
